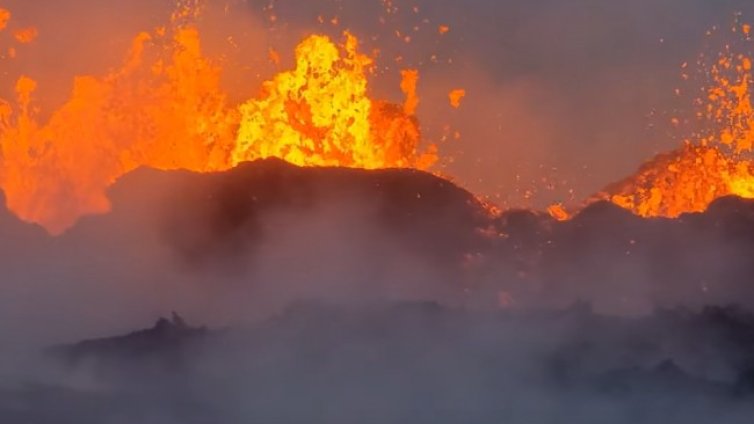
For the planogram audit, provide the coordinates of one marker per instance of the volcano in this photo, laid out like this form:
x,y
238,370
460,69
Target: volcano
x,y
270,180
352,283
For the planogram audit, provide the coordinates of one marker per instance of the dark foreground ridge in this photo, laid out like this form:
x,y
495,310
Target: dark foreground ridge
x,y
162,345
421,362
226,223
605,254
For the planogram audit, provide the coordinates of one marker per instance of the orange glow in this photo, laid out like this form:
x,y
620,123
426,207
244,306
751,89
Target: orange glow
x,y
716,163
443,29
558,212
683,181
164,108
409,83
456,96
274,56
26,35
4,18
320,114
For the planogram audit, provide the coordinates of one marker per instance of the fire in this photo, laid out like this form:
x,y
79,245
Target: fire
x,y
682,181
558,212
713,164
320,114
164,108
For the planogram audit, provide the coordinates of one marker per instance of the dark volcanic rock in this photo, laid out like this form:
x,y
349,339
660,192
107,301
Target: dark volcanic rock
x,y
427,213
409,362
151,353
397,224
223,222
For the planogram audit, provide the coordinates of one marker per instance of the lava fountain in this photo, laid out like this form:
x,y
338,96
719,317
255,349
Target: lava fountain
x,y
163,107
714,162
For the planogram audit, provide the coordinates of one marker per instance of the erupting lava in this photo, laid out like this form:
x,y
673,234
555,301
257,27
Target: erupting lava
x,y
164,108
682,181
717,163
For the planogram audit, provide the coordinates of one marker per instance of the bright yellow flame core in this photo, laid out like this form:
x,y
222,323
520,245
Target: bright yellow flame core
x,y
320,114
164,108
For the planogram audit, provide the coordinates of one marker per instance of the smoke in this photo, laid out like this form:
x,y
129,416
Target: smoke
x,y
221,249
555,90
378,291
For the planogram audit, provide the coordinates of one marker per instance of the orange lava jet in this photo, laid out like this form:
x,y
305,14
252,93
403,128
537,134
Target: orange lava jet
x,y
164,108
717,163
685,180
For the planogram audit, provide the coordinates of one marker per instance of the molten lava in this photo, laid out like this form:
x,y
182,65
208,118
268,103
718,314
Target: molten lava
x,y
164,108
685,180
717,163
320,114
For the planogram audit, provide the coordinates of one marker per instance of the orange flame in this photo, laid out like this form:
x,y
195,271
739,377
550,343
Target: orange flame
x,y
164,108
683,181
718,164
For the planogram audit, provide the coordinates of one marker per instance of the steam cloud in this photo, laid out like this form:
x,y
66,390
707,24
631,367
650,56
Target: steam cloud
x,y
396,263
335,294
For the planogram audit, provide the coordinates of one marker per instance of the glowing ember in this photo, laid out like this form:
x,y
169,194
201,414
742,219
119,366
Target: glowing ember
x,y
456,96
164,108
558,212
